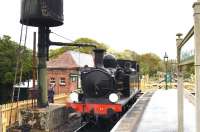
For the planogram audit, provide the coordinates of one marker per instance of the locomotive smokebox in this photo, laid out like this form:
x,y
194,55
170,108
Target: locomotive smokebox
x,y
38,13
99,54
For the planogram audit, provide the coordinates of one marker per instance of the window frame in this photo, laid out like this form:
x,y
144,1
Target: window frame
x,y
62,81
52,79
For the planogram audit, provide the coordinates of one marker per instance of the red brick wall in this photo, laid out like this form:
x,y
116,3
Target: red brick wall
x,y
62,73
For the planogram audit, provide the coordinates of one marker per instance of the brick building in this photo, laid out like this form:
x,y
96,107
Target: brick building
x,y
63,71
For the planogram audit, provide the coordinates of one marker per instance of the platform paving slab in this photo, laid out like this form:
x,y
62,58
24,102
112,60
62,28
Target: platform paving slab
x,y
131,119
159,114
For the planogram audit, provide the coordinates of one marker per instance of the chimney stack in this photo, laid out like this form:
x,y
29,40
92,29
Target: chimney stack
x,y
99,54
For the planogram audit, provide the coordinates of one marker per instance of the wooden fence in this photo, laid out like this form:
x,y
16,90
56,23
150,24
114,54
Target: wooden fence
x,y
5,110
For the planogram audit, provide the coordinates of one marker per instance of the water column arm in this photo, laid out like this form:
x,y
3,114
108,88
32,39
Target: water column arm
x,y
73,44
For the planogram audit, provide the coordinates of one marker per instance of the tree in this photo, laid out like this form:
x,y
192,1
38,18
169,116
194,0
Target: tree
x,y
126,54
8,56
150,63
188,70
88,50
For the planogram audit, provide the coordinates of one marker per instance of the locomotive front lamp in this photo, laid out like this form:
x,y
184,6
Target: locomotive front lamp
x,y
74,97
113,97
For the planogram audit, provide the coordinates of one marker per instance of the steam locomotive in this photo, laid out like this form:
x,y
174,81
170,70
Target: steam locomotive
x,y
108,89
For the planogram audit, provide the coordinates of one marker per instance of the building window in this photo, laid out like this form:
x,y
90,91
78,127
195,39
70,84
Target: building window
x,y
62,81
73,77
52,80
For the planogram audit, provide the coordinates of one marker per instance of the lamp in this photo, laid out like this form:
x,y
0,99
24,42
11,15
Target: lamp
x,y
165,60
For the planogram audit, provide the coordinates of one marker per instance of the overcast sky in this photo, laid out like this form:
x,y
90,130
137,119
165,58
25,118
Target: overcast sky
x,y
139,25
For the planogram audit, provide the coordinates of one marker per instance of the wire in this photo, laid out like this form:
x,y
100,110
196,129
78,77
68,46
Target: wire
x,y
21,61
18,51
16,72
74,41
18,64
63,37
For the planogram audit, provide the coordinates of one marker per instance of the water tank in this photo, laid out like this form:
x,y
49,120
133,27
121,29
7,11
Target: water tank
x,y
42,12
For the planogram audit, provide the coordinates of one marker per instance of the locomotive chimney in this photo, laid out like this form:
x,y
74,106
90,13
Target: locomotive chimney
x,y
98,60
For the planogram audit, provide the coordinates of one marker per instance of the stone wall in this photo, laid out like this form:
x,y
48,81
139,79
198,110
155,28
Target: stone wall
x,y
50,119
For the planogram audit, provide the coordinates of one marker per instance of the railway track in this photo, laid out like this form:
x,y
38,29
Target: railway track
x,y
91,127
81,128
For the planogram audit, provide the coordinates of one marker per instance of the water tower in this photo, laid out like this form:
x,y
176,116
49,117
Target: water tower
x,y
42,14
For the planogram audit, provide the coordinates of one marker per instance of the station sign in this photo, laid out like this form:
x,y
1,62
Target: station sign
x,y
187,51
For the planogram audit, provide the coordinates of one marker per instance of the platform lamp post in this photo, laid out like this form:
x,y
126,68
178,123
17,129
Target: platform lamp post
x,y
165,60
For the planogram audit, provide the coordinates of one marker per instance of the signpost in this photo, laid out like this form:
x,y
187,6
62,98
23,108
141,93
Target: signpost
x,y
196,7
166,60
179,85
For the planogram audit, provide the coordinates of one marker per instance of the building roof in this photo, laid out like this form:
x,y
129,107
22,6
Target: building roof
x,y
82,59
70,60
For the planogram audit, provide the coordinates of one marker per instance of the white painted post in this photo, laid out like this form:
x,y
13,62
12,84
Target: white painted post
x,y
179,87
196,7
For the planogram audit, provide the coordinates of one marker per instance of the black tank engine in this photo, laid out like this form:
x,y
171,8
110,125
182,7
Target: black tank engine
x,y
106,88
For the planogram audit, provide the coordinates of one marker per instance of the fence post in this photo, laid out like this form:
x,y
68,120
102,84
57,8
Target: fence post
x,y
179,86
1,120
196,7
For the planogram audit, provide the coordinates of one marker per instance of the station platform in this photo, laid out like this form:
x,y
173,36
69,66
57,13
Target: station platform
x,y
156,111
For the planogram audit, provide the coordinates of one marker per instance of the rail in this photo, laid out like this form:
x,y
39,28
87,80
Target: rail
x,y
5,110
